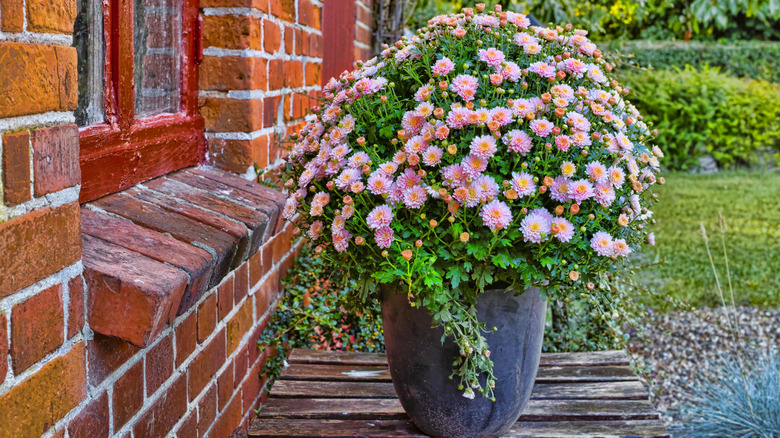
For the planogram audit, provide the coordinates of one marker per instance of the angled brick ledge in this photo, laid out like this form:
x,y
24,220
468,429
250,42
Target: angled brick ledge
x,y
152,251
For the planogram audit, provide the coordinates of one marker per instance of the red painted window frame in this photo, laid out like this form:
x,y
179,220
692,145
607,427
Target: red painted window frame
x,y
123,151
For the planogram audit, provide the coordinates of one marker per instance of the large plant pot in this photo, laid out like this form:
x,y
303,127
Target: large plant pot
x,y
420,364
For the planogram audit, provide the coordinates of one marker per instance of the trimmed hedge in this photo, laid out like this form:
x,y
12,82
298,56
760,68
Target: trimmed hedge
x,y
754,59
706,112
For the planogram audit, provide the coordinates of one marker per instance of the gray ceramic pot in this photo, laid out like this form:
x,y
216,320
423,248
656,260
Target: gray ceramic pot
x,y
420,364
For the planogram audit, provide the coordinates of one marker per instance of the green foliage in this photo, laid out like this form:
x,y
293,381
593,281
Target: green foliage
x,y
316,311
754,59
747,200
705,112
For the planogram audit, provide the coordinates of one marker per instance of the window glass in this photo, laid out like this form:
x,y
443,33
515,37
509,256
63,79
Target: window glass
x,y
157,39
88,40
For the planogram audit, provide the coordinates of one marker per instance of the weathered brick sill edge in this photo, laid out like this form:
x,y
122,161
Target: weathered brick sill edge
x,y
151,252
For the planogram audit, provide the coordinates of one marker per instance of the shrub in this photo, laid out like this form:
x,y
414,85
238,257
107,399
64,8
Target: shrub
x,y
757,60
706,112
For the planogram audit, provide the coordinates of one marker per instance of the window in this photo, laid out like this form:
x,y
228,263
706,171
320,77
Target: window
x,y
138,98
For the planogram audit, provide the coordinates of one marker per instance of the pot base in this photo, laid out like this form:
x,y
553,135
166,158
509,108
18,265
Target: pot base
x,y
420,364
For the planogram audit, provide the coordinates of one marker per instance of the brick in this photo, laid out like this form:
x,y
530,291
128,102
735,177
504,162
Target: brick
x,y
284,9
26,243
189,427
207,410
272,36
271,112
267,293
276,74
128,395
180,227
289,40
232,227
165,413
256,269
251,387
315,46
131,296
240,364
256,4
238,155
293,74
55,158
235,181
231,32
76,306
106,354
309,14
92,421
225,298
57,388
16,168
232,115
37,78
159,365
196,262
233,73
12,14
207,317
52,16
229,420
186,338
313,73
36,328
206,364
238,326
3,347
225,387
241,283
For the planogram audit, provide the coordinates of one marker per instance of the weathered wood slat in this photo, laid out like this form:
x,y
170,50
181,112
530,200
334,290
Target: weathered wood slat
x,y
333,428
373,373
391,409
630,390
583,429
611,357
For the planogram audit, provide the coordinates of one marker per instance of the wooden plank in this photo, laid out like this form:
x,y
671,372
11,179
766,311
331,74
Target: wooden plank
x,y
631,390
611,357
391,409
333,428
374,373
583,429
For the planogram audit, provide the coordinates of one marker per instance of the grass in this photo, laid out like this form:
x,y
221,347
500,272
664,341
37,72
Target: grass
x,y
749,203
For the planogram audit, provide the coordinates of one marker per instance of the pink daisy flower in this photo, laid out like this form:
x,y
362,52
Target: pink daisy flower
x,y
384,237
596,172
442,67
518,141
388,168
320,199
616,176
523,38
541,127
602,244
543,69
341,240
315,230
423,93
492,56
511,72
487,187
620,247
412,123
580,138
535,228
563,229
521,107
338,224
581,190
347,177
415,197
458,118
408,179
453,173
358,159
560,189
501,115
605,194
432,156
424,109
496,215
563,142
474,165
290,208
568,169
483,146
415,145
379,184
523,184
379,217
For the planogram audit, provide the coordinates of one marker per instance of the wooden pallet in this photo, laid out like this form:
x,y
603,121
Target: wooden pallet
x,y
330,394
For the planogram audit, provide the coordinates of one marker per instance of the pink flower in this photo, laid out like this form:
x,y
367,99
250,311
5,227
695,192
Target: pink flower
x,y
453,173
388,168
523,38
458,118
496,79
289,208
518,141
580,138
560,189
425,109
616,176
379,184
535,228
523,184
620,247
487,187
432,156
596,172
581,190
543,69
315,230
563,142
443,67
501,115
379,217
358,160
541,127
511,72
568,169
341,240
423,93
563,229
412,123
407,180
651,239
521,107
474,165
605,194
347,177
415,145
496,215
321,199
602,244
465,86
384,237
415,197
483,146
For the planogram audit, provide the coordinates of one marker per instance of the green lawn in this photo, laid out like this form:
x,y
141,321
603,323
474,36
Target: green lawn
x,y
750,202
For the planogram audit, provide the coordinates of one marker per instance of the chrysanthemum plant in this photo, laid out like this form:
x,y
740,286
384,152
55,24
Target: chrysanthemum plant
x,y
481,152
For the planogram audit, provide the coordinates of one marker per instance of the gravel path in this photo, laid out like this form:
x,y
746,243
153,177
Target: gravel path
x,y
677,346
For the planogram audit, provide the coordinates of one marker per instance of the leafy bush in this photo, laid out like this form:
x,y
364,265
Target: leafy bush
x,y
757,60
741,399
705,112
314,312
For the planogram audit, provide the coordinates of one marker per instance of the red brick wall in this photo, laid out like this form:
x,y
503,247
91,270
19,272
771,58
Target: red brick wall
x,y
364,28
200,375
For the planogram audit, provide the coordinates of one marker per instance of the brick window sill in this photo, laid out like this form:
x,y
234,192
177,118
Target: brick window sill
x,y
150,252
